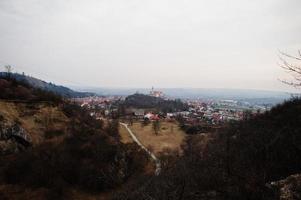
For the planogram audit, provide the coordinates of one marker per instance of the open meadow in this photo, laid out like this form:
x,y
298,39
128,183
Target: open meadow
x,y
169,137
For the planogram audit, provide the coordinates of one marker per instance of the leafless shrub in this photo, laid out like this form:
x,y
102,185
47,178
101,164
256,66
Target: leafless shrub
x,y
288,63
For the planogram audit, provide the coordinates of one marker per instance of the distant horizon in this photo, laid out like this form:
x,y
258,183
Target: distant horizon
x,y
290,89
191,92
194,88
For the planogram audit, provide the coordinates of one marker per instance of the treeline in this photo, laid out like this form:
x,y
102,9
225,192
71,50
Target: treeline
x,y
12,89
239,162
192,129
40,84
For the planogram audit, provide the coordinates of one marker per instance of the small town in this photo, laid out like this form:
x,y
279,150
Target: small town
x,y
211,112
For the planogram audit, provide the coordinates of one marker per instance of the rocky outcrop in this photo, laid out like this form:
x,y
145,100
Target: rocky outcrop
x,y
288,188
13,138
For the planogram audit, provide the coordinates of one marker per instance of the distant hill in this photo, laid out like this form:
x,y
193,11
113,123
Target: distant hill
x,y
37,83
142,101
145,101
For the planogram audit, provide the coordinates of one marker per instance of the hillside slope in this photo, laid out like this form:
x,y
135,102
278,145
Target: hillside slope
x,y
240,162
53,149
37,120
37,83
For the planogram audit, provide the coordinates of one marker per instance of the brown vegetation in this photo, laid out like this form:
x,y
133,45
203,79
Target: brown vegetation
x,y
71,151
37,119
169,136
238,162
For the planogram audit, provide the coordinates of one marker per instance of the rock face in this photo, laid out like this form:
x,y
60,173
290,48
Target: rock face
x,y
13,138
289,188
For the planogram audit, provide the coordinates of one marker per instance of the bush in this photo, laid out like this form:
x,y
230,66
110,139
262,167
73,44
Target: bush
x,y
53,133
75,162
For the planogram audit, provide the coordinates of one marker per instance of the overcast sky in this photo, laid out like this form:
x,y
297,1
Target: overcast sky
x,y
144,43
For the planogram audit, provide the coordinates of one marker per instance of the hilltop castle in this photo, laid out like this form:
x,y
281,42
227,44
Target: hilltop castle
x,y
155,93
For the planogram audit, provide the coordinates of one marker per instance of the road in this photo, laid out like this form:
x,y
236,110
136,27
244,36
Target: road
x,y
156,160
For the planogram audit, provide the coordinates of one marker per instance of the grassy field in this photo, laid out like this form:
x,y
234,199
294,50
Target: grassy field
x,y
170,137
124,135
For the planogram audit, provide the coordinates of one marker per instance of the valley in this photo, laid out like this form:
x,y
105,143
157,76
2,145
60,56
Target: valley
x,y
150,100
101,149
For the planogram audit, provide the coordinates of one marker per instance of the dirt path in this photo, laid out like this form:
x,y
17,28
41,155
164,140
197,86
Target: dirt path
x,y
157,161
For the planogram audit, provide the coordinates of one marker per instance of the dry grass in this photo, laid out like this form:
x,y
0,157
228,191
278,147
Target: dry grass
x,y
79,195
8,110
170,136
35,119
124,135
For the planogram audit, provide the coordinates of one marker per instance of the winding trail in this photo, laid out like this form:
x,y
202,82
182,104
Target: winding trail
x,y
156,160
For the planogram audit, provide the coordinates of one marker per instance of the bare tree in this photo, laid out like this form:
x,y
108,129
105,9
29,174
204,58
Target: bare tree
x,y
47,119
156,126
131,121
8,68
288,63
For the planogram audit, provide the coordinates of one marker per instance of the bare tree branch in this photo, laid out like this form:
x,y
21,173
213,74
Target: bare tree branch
x,y
293,69
290,56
